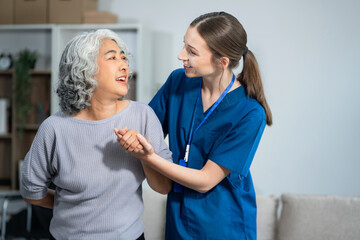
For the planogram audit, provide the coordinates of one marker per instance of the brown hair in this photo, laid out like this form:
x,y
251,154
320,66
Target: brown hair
x,y
226,37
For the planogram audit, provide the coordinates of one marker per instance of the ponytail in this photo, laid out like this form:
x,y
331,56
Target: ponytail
x,y
250,78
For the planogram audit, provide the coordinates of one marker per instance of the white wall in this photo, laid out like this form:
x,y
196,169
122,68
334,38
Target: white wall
x,y
309,54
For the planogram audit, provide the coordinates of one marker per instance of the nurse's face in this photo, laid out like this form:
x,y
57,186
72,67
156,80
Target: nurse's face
x,y
196,55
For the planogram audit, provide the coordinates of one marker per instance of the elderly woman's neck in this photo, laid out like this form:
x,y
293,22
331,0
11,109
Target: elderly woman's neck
x,y
101,110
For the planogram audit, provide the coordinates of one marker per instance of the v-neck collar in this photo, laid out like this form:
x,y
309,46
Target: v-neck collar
x,y
228,98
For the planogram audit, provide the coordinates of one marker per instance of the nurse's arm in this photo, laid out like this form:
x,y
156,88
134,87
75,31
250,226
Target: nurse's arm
x,y
199,180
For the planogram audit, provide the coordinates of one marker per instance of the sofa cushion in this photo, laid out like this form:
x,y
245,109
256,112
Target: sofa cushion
x,y
319,217
154,214
267,207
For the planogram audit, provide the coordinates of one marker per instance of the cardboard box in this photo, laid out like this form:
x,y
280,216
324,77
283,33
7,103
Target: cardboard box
x,y
6,11
30,11
70,11
99,17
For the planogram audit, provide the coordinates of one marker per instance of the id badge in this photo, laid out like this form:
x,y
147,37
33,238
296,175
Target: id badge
x,y
178,187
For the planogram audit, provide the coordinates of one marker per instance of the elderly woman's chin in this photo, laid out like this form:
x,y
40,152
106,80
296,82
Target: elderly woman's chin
x,y
123,93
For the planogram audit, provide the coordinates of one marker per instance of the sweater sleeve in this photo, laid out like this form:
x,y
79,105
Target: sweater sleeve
x,y
160,103
154,133
38,167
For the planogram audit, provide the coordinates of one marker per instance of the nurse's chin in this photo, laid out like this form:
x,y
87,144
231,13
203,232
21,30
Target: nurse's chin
x,y
190,73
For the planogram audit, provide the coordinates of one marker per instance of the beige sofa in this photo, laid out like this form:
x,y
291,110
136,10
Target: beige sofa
x,y
288,217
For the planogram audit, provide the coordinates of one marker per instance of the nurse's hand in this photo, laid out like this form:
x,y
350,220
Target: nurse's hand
x,y
128,140
147,147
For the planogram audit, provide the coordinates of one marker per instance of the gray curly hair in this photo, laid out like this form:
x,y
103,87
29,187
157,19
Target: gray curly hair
x,y
78,67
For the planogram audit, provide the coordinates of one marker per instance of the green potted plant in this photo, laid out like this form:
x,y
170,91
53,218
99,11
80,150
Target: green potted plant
x,y
25,61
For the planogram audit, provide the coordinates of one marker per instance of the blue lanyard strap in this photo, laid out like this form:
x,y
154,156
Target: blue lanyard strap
x,y
207,115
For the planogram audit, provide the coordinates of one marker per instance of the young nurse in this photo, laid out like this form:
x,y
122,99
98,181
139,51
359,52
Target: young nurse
x,y
214,121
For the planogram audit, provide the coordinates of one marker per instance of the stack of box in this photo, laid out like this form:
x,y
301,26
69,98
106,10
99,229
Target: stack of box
x,y
34,11
53,11
6,12
99,17
70,11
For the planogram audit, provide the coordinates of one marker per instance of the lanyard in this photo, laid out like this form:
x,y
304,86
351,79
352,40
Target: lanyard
x,y
206,117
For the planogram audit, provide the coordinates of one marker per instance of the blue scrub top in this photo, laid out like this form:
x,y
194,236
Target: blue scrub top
x,y
229,137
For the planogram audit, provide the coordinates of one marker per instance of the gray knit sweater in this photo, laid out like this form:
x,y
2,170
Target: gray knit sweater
x,y
98,194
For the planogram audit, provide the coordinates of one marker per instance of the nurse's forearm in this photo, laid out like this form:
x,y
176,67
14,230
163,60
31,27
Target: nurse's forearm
x,y
199,180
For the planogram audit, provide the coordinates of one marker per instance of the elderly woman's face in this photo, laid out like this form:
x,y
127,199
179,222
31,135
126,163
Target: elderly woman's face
x,y
113,71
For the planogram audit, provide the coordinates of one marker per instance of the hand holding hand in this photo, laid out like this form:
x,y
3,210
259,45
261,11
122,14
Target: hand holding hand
x,y
128,140
134,143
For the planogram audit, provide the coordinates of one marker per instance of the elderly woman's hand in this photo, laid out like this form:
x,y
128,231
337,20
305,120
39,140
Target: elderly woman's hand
x,y
128,140
134,143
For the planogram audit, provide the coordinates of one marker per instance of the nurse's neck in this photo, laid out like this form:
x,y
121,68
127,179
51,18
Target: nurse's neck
x,y
214,85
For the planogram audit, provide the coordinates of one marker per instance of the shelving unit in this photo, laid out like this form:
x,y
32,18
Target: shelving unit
x,y
49,41
12,146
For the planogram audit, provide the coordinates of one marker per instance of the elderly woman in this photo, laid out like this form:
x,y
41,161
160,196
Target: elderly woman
x,y
98,191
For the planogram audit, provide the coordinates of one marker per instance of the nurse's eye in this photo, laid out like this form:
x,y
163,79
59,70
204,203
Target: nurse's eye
x,y
191,52
112,58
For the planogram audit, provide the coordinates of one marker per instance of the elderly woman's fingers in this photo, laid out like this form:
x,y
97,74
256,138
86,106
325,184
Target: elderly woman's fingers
x,y
134,144
138,148
122,131
126,140
129,140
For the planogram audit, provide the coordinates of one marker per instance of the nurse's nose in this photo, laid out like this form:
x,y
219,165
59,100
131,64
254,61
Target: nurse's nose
x,y
182,55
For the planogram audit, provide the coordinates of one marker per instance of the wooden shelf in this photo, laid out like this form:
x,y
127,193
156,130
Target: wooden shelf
x,y
31,126
6,72
40,72
5,187
33,72
5,136
12,146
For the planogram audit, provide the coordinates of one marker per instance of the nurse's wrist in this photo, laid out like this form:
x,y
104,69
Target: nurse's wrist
x,y
148,158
